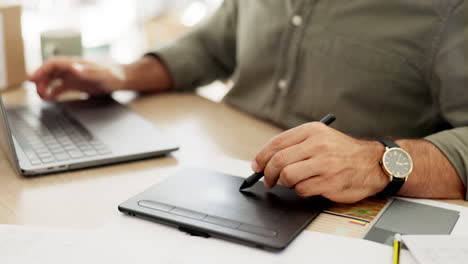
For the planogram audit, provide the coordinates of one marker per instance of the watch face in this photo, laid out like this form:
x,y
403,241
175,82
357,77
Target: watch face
x,y
398,162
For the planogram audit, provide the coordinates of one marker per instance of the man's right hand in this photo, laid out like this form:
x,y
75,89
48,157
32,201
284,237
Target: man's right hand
x,y
61,74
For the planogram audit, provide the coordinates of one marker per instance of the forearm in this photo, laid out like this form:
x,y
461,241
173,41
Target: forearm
x,y
147,74
433,175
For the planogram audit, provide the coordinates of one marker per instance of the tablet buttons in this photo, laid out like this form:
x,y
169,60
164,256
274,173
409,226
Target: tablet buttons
x,y
155,205
188,213
257,230
222,222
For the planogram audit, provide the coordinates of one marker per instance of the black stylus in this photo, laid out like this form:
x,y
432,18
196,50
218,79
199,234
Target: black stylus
x,y
254,178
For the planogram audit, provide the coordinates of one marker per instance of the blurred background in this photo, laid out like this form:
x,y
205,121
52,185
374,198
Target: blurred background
x,y
118,30
115,30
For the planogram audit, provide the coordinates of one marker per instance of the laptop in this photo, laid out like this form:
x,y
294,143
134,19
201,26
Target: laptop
x,y
53,137
207,203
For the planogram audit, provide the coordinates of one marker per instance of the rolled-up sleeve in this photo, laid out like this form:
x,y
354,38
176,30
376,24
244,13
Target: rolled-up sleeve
x,y
206,53
449,87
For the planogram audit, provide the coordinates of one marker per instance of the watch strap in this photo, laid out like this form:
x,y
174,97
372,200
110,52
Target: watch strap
x,y
389,144
394,186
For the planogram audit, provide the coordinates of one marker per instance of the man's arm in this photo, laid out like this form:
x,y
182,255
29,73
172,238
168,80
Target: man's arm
x,y
206,53
202,55
315,159
448,80
433,175
148,74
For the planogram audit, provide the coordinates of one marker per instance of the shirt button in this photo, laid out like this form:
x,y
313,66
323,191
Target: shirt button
x,y
283,85
297,20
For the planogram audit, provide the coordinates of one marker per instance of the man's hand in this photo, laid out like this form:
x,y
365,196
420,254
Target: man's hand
x,y
58,75
315,159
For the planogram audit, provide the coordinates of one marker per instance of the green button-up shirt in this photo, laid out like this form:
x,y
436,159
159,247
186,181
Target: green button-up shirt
x,y
395,69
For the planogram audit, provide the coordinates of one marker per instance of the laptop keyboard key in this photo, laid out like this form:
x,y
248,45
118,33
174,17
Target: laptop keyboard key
x,y
54,146
70,148
35,161
75,154
91,152
45,155
61,157
84,145
57,151
47,160
30,154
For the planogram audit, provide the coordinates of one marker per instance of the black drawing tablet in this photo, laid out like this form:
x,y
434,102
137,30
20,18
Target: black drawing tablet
x,y
208,203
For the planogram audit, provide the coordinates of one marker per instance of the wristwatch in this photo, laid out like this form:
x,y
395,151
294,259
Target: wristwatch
x,y
397,165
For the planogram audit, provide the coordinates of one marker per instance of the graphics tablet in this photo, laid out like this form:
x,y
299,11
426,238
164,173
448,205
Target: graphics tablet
x,y
207,203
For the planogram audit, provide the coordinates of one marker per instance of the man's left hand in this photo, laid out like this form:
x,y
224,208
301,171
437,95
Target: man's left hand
x,y
315,159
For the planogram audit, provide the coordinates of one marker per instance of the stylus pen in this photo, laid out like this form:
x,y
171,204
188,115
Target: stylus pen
x,y
254,178
396,248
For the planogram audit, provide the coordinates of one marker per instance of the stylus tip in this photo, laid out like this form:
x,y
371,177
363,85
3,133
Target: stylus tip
x,y
244,185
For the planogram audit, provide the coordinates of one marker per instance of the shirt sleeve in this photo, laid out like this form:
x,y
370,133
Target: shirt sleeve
x,y
449,88
204,54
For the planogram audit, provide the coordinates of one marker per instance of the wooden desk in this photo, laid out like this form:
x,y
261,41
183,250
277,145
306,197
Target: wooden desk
x,y
89,198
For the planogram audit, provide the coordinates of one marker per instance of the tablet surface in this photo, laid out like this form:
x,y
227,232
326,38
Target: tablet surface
x,y
208,203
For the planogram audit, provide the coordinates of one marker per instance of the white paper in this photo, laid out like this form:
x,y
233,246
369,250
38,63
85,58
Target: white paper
x,y
132,240
438,249
3,69
25,245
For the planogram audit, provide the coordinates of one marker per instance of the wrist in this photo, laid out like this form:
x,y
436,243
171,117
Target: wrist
x,y
379,178
119,76
147,74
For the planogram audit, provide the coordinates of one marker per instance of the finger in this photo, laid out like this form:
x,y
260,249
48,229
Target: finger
x,y
286,139
41,88
47,68
282,159
312,187
300,171
51,70
56,90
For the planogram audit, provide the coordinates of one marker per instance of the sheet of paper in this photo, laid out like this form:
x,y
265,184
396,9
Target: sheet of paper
x,y
438,249
131,240
24,245
308,247
3,69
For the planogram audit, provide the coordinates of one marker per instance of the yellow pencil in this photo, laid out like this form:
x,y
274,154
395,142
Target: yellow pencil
x,y
396,248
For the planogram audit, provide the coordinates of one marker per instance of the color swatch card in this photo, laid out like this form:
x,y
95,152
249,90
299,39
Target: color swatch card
x,y
365,210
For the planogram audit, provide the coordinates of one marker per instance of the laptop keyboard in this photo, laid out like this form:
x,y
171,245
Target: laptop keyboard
x,y
51,135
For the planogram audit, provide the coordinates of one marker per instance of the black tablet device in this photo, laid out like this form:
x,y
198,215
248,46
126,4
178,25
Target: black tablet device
x,y
207,203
